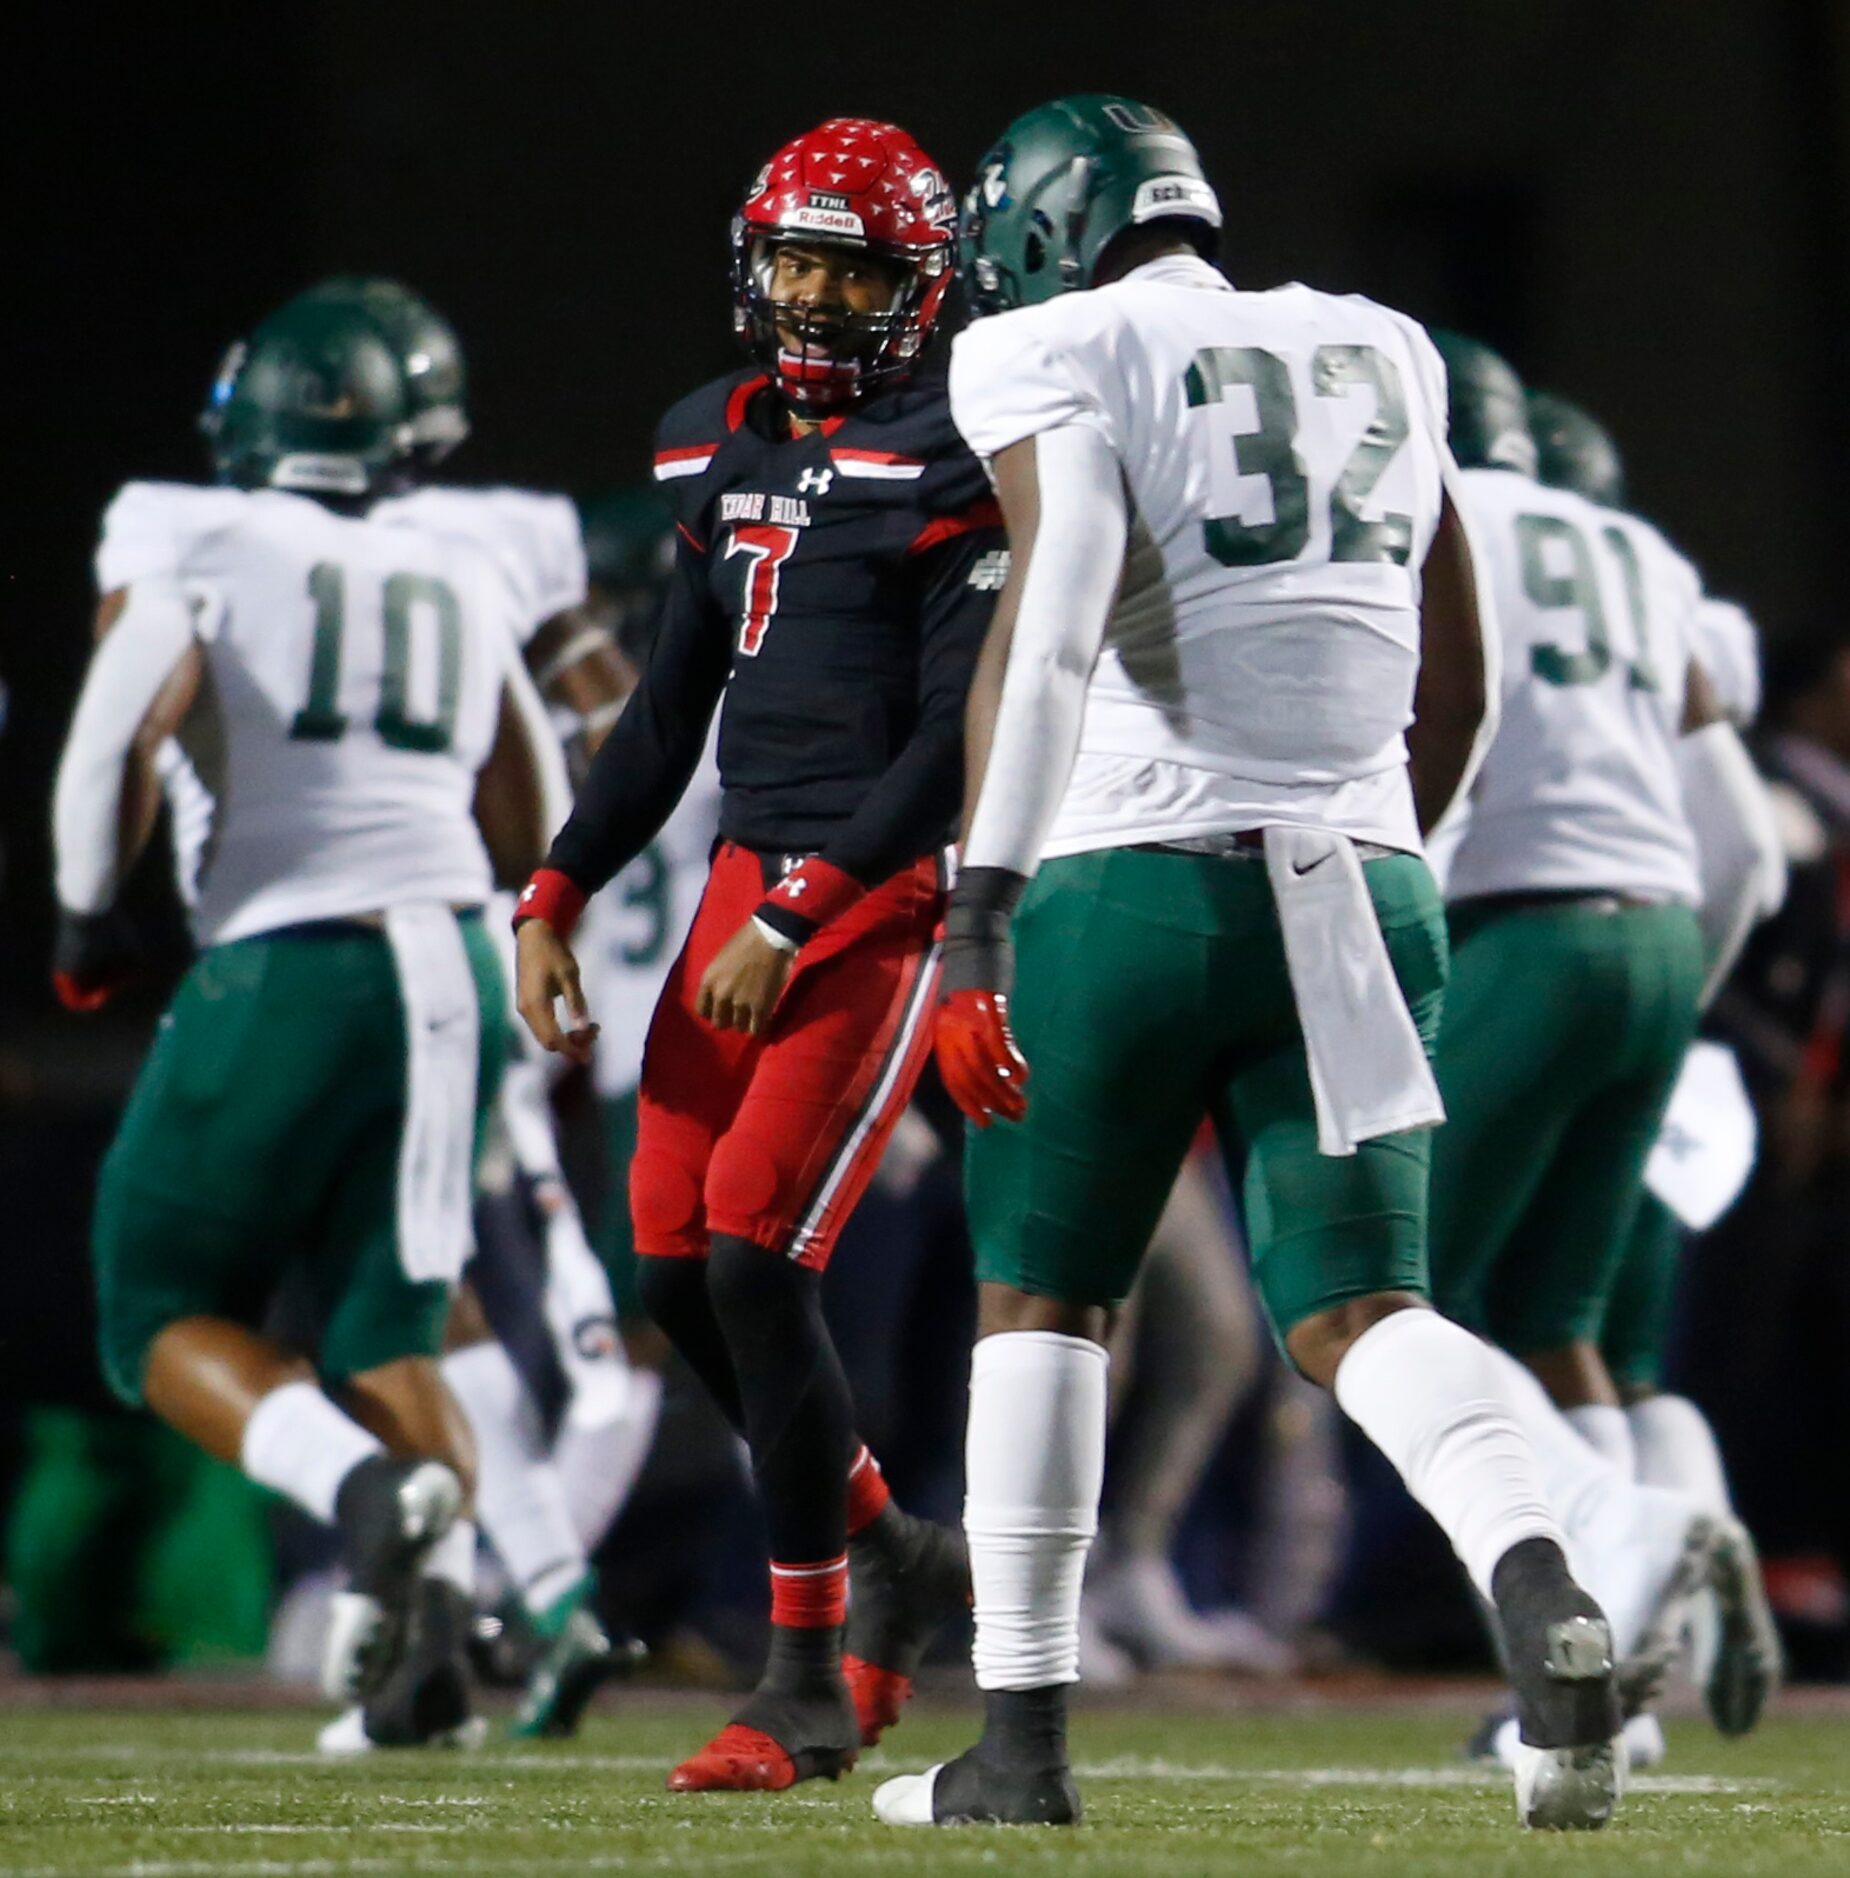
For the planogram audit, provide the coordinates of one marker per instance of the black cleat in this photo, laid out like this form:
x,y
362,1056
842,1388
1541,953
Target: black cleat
x,y
424,1700
390,1513
1570,1763
975,1791
906,1577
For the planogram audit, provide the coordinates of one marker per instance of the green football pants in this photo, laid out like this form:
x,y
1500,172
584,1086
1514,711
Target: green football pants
x,y
1565,1028
1151,990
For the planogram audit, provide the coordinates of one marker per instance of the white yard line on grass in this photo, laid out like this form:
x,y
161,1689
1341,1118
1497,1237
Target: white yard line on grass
x,y
1121,1767
359,1867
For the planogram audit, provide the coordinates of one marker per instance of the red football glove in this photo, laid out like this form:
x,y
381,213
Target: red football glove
x,y
983,1069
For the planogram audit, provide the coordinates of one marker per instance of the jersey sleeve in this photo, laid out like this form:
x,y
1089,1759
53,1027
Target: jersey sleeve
x,y
1728,646
956,576
537,540
1012,377
148,528
643,767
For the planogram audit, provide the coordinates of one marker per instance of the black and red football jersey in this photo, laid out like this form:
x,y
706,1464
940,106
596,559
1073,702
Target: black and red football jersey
x,y
830,595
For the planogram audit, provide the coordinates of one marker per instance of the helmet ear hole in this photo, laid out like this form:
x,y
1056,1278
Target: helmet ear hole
x,y
1034,248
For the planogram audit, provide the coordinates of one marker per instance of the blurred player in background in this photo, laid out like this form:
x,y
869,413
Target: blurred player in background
x,y
1236,673
836,567
1704,1151
544,1497
1577,878
344,692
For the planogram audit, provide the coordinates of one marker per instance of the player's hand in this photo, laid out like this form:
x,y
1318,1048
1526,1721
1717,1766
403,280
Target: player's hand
x,y
545,972
94,956
740,989
982,1066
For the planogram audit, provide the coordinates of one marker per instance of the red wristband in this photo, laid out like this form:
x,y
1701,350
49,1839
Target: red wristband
x,y
814,890
554,897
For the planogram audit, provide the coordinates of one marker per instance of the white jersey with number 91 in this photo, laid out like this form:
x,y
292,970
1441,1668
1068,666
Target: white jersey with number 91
x,y
1580,792
354,678
1284,454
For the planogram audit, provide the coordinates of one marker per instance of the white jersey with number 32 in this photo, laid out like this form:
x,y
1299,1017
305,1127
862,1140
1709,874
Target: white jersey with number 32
x,y
1284,454
354,678
1599,616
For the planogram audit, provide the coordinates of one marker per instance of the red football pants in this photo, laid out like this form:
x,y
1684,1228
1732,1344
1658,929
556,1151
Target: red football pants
x,y
774,1138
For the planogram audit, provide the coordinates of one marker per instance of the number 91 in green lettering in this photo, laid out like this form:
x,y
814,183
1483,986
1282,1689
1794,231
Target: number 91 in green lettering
x,y
319,721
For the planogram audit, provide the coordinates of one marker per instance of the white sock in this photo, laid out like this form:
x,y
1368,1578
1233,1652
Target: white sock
x,y
1676,1448
1035,1464
299,1444
452,1558
1428,1396
599,1464
1605,1428
1624,1537
518,1495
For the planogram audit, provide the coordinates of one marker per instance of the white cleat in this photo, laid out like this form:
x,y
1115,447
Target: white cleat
x,y
1646,1585
1569,1789
356,1629
1645,1746
906,1800
346,1734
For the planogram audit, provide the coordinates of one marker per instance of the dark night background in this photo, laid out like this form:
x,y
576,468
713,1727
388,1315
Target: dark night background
x,y
1642,201
1645,203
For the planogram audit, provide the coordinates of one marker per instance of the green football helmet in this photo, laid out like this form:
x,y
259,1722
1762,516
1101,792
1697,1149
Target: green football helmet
x,y
1489,423
1061,183
315,400
428,351
1575,451
629,554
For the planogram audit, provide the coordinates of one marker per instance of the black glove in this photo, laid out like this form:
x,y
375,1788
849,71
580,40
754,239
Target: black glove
x,y
95,955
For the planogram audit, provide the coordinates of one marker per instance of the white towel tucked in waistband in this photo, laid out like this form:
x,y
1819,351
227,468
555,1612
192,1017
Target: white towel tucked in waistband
x,y
1368,1070
443,1038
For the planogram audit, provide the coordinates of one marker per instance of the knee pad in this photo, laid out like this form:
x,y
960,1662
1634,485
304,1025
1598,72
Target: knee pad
x,y
664,1196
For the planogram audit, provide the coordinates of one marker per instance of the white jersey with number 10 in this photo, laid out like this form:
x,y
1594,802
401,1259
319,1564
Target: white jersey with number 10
x,y
1284,454
353,683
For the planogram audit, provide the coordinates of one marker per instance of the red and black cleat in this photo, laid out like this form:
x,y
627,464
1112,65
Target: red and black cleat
x,y
749,1754
906,1577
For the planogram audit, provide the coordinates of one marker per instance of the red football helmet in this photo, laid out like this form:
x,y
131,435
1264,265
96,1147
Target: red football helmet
x,y
849,183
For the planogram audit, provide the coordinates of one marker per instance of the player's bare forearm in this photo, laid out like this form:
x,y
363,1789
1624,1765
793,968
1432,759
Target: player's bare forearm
x,y
141,783
579,671
510,801
1018,490
1452,694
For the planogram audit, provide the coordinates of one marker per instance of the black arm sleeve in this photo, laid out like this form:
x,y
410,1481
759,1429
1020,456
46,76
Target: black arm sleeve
x,y
912,808
643,767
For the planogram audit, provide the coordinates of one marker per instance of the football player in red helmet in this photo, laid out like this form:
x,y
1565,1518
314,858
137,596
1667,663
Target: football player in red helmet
x,y
837,560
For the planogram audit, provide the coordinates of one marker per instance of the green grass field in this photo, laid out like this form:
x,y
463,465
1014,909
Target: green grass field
x,y
119,1794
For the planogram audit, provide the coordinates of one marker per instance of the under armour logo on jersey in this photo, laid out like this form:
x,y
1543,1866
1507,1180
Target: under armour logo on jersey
x,y
991,571
815,481
795,887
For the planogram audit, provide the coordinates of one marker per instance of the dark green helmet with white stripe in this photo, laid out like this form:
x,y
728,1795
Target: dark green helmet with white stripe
x,y
316,400
1489,426
1061,183
1575,451
428,352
